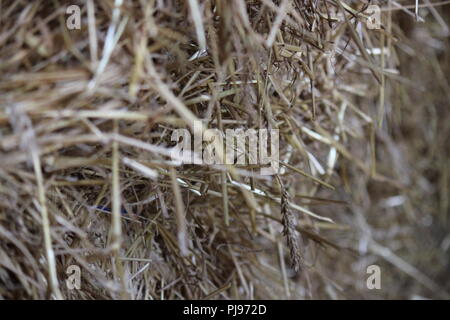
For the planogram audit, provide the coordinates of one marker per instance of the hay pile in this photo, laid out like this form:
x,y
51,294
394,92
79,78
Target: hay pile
x,y
86,118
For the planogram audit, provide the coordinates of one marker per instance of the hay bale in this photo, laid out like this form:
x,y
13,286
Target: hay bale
x,y
89,184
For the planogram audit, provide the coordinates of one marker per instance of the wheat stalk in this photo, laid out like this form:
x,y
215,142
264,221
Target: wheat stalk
x,y
289,231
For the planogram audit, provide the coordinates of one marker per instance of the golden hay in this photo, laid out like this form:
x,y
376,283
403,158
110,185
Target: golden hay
x,y
86,118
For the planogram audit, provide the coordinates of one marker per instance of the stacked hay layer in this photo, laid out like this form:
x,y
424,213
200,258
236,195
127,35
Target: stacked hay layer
x,y
89,192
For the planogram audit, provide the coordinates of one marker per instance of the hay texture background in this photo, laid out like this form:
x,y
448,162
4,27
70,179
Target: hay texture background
x,y
86,118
